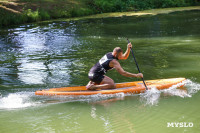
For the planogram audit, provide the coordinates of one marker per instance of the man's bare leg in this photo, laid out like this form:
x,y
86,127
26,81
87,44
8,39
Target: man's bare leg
x,y
106,83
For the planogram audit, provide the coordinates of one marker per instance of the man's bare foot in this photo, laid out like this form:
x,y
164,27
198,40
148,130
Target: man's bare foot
x,y
91,87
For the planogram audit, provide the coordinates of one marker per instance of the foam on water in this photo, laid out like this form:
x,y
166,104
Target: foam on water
x,y
192,87
152,96
17,100
27,99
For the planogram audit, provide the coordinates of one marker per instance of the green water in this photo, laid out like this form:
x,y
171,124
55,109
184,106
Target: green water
x,y
57,54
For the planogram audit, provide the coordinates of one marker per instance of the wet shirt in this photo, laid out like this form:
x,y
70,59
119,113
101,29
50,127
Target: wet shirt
x,y
102,66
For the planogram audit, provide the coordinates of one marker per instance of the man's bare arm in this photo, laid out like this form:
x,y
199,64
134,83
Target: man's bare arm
x,y
117,66
126,54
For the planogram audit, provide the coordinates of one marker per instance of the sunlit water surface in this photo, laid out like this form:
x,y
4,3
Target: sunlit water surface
x,y
57,54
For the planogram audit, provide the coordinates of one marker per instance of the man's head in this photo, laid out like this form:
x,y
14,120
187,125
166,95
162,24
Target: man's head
x,y
118,53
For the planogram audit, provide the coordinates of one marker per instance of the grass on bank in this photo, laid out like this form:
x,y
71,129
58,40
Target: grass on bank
x,y
23,11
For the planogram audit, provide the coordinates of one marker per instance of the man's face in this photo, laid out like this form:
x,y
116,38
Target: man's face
x,y
119,55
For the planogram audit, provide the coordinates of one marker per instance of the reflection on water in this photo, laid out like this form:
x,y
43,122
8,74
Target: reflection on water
x,y
31,72
37,55
31,43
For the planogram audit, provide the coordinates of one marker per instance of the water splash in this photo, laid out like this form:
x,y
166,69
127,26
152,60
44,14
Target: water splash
x,y
151,97
192,87
174,91
17,100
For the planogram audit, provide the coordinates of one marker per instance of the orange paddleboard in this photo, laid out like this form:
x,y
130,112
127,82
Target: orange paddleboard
x,y
128,87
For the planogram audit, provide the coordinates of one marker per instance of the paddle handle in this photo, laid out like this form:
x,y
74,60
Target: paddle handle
x,y
137,66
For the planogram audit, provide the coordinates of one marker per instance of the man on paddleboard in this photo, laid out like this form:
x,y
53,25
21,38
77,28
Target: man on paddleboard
x,y
97,76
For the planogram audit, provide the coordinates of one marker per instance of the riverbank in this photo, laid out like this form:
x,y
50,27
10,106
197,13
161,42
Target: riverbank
x,y
133,13
14,12
25,11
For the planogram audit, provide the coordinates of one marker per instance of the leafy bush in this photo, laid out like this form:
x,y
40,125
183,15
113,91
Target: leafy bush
x,y
32,16
109,5
101,6
44,15
80,12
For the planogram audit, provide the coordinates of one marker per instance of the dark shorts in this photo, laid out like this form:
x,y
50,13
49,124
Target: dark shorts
x,y
96,77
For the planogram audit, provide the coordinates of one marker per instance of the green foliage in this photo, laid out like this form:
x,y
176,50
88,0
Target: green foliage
x,y
81,12
101,6
32,16
44,15
7,18
109,5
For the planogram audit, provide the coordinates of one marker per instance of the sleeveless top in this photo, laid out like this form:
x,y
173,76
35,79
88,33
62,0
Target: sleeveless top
x,y
102,66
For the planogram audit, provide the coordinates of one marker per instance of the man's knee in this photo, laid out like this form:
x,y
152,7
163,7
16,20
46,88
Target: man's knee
x,y
113,86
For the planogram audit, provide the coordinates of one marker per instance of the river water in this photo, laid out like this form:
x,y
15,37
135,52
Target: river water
x,y
60,53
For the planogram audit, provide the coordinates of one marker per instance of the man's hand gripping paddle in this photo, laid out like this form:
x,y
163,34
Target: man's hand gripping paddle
x,y
137,65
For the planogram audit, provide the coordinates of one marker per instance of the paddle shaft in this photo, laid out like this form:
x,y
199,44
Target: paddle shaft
x,y
137,66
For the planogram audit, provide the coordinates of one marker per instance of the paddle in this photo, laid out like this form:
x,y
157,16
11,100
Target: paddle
x,y
137,65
